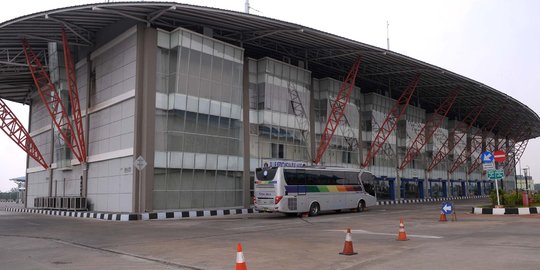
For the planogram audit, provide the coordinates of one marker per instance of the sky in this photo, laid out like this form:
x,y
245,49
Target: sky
x,y
495,42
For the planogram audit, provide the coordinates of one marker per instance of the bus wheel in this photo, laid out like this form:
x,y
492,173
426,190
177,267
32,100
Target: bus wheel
x,y
314,209
361,206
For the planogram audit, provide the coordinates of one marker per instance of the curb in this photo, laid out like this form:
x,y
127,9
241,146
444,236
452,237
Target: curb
x,y
93,215
199,213
506,211
195,214
429,200
132,217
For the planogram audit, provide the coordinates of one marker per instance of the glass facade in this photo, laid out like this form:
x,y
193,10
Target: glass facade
x,y
198,149
341,151
275,133
374,112
199,126
408,129
62,152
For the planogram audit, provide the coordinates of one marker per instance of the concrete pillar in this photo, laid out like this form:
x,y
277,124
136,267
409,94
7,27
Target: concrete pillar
x,y
246,183
145,106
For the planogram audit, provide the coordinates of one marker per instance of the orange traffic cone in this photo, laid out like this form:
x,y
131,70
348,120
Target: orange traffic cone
x,y
402,235
348,247
442,217
240,261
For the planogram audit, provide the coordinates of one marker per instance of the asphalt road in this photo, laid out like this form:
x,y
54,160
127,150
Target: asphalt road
x,y
33,241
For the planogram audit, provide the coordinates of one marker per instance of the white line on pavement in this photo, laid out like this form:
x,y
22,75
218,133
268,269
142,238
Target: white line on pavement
x,y
392,234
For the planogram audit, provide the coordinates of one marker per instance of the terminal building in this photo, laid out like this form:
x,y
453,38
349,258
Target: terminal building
x,y
139,107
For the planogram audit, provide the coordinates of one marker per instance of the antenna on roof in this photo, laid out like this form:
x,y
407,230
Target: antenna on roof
x,y
387,35
247,8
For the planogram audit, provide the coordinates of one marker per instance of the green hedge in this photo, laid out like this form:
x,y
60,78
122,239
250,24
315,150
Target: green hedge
x,y
511,198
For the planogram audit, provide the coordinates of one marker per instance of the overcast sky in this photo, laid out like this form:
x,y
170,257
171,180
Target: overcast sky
x,y
496,42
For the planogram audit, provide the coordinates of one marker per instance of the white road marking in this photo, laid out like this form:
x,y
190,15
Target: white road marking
x,y
264,226
391,234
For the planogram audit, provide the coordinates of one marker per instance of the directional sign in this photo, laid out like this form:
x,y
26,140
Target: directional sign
x,y
140,163
487,157
488,166
495,174
447,208
499,155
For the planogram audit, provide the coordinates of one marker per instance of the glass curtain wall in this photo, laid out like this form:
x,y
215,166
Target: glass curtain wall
x,y
408,129
57,73
435,144
274,129
341,151
458,148
198,162
374,112
476,142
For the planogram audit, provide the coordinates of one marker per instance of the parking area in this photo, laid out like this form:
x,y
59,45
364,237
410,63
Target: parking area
x,y
30,241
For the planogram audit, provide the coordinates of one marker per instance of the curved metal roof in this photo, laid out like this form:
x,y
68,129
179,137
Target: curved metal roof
x,y
327,55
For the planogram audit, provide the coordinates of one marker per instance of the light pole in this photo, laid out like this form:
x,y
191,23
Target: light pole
x,y
525,170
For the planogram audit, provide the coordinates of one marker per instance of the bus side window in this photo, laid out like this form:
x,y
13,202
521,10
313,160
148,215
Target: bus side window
x,y
351,178
311,179
294,177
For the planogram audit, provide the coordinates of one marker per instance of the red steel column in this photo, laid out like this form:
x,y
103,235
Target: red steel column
x,y
338,109
488,127
11,125
518,153
74,97
391,121
51,99
427,131
443,152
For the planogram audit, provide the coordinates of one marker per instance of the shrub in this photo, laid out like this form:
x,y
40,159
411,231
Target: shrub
x,y
493,197
536,197
513,199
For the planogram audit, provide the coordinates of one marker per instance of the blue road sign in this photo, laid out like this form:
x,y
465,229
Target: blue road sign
x,y
447,208
487,157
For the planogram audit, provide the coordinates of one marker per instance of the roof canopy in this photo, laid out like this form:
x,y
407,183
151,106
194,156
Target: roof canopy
x,y
326,55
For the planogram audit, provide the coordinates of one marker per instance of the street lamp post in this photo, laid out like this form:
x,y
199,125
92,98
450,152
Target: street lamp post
x,y
525,170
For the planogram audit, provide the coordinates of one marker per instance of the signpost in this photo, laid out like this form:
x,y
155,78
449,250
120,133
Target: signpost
x,y
447,208
487,157
499,156
487,161
139,164
495,174
492,172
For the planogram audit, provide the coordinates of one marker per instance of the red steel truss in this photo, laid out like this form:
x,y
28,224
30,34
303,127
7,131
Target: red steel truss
x,y
11,125
511,146
488,127
458,132
391,121
74,97
427,131
518,153
52,100
338,109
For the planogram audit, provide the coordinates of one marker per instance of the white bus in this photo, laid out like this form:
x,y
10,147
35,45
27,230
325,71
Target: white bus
x,y
311,189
